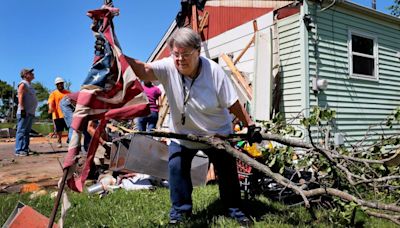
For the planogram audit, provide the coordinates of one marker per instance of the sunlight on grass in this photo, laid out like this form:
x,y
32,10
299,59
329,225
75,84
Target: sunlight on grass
x,y
151,208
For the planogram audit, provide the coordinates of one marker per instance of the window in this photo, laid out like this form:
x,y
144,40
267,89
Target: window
x,y
363,55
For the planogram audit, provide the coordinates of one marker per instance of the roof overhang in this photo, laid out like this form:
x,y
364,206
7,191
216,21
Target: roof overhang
x,y
162,42
232,3
364,10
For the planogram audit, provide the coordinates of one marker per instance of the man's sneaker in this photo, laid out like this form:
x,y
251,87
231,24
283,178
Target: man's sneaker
x,y
21,154
179,218
174,222
239,216
32,152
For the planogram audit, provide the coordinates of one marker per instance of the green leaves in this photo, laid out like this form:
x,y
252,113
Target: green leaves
x,y
7,100
42,93
317,115
395,8
394,117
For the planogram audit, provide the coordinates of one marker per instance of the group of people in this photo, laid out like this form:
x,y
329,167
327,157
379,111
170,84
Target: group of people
x,y
201,99
27,104
61,105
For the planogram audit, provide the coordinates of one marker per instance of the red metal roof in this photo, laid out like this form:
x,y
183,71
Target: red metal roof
x,y
223,18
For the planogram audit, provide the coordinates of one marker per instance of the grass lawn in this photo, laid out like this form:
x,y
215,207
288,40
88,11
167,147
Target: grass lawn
x,y
43,128
150,209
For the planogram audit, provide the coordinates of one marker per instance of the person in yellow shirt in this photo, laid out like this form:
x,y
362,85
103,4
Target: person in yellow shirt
x,y
55,109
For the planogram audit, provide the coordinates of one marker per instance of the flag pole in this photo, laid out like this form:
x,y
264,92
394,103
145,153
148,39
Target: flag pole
x,y
58,199
65,174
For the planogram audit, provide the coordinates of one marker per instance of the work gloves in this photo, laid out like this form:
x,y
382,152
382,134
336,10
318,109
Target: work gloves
x,y
99,45
23,113
254,134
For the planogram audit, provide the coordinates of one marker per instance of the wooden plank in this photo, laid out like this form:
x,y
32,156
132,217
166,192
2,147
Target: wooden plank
x,y
252,41
238,76
244,50
194,18
203,22
163,112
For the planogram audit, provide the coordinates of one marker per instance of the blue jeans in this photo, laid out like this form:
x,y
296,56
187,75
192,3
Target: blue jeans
x,y
147,123
68,110
24,127
180,183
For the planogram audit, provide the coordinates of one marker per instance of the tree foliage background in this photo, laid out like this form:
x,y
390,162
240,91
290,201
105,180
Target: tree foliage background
x,y
9,100
395,8
42,94
6,97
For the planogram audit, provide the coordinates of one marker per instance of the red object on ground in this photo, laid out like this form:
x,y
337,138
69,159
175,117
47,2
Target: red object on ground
x,y
25,216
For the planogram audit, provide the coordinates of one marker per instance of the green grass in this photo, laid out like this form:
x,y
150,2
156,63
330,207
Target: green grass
x,y
43,128
150,209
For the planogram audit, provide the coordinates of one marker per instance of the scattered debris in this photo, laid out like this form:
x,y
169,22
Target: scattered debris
x,y
135,153
38,193
137,182
7,133
31,187
25,216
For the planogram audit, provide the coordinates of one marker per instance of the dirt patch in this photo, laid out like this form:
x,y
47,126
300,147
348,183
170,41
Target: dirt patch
x,y
42,167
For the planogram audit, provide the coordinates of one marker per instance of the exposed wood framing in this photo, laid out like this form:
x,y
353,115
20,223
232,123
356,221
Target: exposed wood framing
x,y
203,22
163,112
238,76
252,41
194,18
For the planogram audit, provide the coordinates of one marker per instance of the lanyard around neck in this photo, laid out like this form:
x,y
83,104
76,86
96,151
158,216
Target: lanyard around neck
x,y
187,95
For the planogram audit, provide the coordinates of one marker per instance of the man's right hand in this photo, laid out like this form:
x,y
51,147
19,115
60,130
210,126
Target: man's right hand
x,y
23,113
254,134
99,45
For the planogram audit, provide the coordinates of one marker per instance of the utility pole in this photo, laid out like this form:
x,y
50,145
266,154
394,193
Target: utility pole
x,y
374,4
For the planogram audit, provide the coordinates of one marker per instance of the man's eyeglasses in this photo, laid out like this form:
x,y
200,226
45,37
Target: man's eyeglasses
x,y
183,55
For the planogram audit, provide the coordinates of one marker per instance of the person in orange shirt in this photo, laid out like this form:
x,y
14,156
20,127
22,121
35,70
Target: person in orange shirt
x,y
55,109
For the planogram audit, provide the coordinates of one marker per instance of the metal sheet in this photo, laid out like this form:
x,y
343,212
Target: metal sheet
x,y
143,154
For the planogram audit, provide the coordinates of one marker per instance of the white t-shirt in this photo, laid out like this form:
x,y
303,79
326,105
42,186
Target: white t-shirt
x,y
206,111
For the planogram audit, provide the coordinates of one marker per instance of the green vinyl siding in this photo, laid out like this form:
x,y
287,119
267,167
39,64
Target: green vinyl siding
x,y
359,103
291,77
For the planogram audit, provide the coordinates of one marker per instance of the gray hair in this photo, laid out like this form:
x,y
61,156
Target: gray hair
x,y
185,37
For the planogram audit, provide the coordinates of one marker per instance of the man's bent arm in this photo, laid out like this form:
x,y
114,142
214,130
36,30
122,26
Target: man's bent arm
x,y
21,91
141,69
238,110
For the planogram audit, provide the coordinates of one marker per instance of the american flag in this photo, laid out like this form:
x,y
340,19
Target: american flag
x,y
125,98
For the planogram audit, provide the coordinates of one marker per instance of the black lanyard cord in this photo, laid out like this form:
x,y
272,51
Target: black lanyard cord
x,y
186,96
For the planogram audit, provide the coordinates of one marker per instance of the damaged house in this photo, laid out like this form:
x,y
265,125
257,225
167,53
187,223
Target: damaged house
x,y
289,56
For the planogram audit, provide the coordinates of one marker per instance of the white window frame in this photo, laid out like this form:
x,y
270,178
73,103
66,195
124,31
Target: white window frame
x,y
374,38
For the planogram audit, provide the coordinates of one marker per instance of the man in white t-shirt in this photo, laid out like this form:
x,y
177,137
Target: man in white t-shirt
x,y
201,98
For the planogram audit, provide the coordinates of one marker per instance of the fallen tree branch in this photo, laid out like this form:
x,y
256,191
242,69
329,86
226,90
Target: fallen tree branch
x,y
221,144
348,197
393,218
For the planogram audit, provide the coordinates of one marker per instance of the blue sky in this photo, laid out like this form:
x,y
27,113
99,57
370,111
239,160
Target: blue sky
x,y
54,36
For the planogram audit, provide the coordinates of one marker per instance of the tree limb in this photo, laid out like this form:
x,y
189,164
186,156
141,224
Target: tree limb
x,y
221,144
